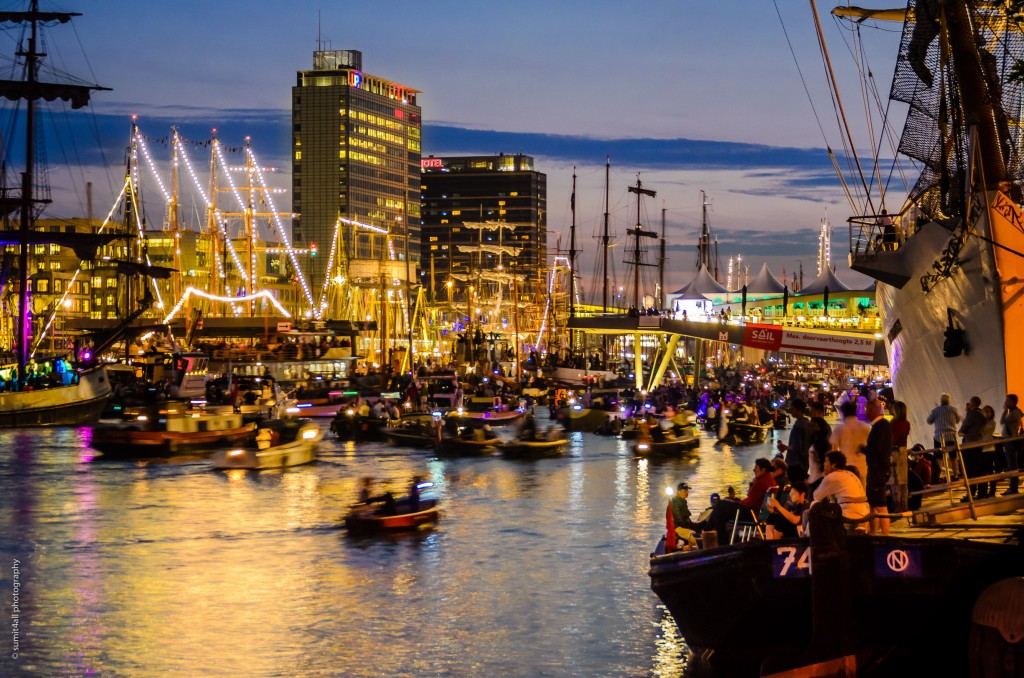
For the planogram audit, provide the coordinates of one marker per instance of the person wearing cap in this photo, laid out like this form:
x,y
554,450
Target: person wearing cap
x,y
686,529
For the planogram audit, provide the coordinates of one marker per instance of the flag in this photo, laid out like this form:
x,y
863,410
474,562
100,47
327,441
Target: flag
x,y
670,529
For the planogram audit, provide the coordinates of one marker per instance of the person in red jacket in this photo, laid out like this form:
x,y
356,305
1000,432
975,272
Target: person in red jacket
x,y
726,510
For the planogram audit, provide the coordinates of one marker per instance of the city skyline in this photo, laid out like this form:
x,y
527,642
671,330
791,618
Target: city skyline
x,y
669,99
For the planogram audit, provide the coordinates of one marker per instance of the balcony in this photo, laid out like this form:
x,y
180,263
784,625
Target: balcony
x,y
877,249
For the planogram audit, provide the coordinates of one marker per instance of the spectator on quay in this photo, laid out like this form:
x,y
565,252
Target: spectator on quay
x,y
1011,421
945,419
971,430
850,436
821,434
798,449
900,424
987,456
922,465
878,452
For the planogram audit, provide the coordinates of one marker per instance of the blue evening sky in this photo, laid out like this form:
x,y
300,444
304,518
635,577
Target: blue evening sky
x,y
689,94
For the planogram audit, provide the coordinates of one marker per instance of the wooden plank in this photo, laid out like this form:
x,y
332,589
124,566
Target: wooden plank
x,y
943,514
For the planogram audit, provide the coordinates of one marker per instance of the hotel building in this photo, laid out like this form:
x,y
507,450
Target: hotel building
x,y
355,155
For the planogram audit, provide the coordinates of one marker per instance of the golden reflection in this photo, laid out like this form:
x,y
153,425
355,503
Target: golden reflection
x,y
671,655
643,490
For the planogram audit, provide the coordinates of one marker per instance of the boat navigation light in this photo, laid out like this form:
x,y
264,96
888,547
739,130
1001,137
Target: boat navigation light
x,y
309,434
669,491
236,453
577,407
350,412
291,410
436,414
642,446
143,417
426,485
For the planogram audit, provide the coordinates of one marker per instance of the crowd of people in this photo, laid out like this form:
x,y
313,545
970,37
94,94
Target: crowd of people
x,y
863,464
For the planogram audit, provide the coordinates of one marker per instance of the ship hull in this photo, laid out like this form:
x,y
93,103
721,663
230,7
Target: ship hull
x,y
915,323
73,405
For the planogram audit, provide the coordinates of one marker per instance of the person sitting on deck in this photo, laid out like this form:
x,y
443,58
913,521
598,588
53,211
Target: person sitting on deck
x,y
843,487
784,518
686,530
727,509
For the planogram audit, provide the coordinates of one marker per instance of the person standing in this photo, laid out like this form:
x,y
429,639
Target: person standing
x,y
878,453
849,436
1011,421
987,457
971,432
901,465
944,418
798,450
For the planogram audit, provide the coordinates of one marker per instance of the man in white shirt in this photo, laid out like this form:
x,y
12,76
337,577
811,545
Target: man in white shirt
x,y
849,436
842,487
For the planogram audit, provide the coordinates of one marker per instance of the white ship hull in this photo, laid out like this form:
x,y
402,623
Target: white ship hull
x,y
915,322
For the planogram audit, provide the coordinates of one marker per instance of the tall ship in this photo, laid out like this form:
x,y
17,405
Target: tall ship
x,y
948,261
69,394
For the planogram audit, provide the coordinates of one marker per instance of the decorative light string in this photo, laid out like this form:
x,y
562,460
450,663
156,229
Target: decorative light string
x,y
71,283
189,291
281,232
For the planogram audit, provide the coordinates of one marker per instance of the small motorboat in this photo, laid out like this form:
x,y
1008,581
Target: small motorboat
x,y
376,519
669,447
468,444
488,417
278,444
416,433
171,431
348,425
534,449
742,432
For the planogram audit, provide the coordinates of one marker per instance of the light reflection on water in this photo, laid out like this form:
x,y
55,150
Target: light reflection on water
x,y
536,568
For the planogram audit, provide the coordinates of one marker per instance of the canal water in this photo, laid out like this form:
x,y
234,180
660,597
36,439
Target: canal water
x,y
128,568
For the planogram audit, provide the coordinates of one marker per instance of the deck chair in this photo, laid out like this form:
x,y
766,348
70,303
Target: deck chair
x,y
746,528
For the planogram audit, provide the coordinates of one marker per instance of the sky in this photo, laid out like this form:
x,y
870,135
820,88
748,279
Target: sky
x,y
726,97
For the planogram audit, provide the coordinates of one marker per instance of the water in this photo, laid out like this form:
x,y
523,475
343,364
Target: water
x,y
536,568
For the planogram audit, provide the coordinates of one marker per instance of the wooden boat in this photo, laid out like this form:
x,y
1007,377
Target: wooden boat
x,y
844,611
415,433
578,418
534,449
369,519
348,425
164,433
461,446
742,432
491,417
296,444
686,441
73,405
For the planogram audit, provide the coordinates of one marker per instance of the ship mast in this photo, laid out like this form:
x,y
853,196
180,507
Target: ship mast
x,y
572,258
637,232
30,89
604,238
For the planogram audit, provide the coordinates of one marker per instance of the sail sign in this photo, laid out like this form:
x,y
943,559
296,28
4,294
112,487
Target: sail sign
x,y
839,346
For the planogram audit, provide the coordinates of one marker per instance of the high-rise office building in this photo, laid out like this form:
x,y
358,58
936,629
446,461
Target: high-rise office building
x,y
481,214
356,155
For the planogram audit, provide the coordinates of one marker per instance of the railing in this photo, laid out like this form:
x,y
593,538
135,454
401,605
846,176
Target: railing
x,y
874,233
